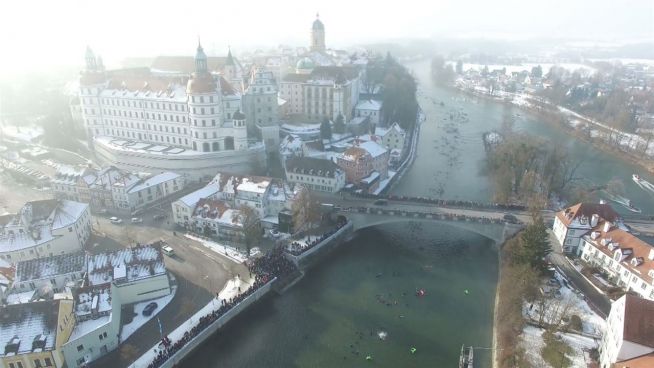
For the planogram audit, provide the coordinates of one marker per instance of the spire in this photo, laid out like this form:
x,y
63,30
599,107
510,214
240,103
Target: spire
x,y
200,59
91,63
230,58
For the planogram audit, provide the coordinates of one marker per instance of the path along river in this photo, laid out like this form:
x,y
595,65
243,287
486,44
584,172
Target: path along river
x,y
333,316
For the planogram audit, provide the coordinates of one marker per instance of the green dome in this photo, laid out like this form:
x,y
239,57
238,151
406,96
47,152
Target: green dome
x,y
305,63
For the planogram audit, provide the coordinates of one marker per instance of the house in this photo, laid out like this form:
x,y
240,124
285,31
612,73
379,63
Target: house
x,y
365,164
573,222
372,109
44,228
112,280
56,272
32,335
627,260
629,337
214,217
315,174
393,138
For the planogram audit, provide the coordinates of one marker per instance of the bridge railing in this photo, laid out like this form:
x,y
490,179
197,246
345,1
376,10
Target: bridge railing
x,y
454,203
432,215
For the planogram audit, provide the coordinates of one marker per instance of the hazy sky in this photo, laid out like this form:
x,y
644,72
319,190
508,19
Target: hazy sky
x,y
37,33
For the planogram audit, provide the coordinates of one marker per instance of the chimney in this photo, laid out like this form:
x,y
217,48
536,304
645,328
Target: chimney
x,y
594,220
607,227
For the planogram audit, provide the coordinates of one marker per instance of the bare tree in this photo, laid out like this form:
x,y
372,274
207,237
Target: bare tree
x,y
251,222
305,210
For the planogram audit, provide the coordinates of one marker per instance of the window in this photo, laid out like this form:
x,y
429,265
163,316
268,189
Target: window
x,y
11,365
80,347
70,229
100,337
37,363
104,334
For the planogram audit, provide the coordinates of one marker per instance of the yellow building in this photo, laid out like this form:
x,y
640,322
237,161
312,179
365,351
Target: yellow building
x,y
32,334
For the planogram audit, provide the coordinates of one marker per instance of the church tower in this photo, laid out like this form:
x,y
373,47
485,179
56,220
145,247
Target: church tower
x,y
318,35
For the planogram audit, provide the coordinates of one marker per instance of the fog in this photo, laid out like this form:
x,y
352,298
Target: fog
x,y
42,34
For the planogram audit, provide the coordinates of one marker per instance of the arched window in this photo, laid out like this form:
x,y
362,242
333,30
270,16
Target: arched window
x,y
216,146
229,143
205,147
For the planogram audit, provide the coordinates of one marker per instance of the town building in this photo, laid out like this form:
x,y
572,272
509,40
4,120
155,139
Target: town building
x,y
114,189
318,35
372,109
33,334
44,228
365,164
56,273
393,138
260,100
627,260
628,341
315,93
112,280
573,222
147,121
315,174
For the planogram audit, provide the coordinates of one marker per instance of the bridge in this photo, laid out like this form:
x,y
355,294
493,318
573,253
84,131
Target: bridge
x,y
489,222
495,222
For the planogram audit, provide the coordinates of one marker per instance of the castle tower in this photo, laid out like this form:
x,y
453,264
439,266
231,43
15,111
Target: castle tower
x,y
91,63
318,35
204,106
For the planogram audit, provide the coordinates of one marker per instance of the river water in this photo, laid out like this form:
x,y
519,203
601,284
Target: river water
x,y
332,317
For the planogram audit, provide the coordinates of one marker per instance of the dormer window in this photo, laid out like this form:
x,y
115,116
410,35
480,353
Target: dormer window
x,y
637,262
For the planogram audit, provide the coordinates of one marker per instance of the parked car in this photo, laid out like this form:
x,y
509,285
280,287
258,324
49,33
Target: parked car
x,y
168,250
381,202
159,216
115,220
147,311
137,220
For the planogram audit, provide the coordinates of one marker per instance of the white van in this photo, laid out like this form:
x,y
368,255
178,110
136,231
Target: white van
x,y
168,250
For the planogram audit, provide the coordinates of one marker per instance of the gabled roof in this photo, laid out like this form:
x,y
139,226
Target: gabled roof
x,y
312,166
603,210
639,321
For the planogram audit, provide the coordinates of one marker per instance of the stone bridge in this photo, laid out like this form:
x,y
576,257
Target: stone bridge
x,y
490,225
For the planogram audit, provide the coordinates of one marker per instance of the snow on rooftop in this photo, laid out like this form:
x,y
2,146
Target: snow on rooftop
x,y
48,267
28,326
126,264
193,198
369,105
86,327
373,148
253,185
153,181
68,213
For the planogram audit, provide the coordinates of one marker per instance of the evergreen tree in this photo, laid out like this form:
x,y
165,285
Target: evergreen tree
x,y
326,129
535,245
339,124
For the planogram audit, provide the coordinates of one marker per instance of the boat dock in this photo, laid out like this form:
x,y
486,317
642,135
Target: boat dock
x,y
466,358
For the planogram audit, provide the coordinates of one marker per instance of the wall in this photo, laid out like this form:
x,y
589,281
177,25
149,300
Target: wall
x,y
209,331
144,289
311,256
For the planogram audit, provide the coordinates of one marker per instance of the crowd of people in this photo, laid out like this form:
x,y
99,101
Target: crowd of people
x,y
443,216
446,202
296,247
264,269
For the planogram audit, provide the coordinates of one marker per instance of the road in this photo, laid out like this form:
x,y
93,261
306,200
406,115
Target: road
x,y
599,301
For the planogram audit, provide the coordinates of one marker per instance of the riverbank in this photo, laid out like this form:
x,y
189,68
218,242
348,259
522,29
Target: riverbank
x,y
558,117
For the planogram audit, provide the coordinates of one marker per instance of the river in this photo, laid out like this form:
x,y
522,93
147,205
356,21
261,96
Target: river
x,y
331,318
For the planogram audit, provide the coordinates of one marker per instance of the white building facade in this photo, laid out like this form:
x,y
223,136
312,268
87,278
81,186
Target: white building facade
x,y
315,174
45,228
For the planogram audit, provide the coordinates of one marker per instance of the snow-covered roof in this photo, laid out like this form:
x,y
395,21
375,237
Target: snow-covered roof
x,y
373,148
193,198
26,328
126,265
369,105
154,180
45,268
68,213
253,185
370,178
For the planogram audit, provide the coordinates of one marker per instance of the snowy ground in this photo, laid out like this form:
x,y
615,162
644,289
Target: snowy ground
x,y
592,324
232,286
139,320
222,249
385,182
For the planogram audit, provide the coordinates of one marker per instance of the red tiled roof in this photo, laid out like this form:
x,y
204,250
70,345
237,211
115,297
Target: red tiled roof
x,y
644,361
639,249
639,321
604,211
